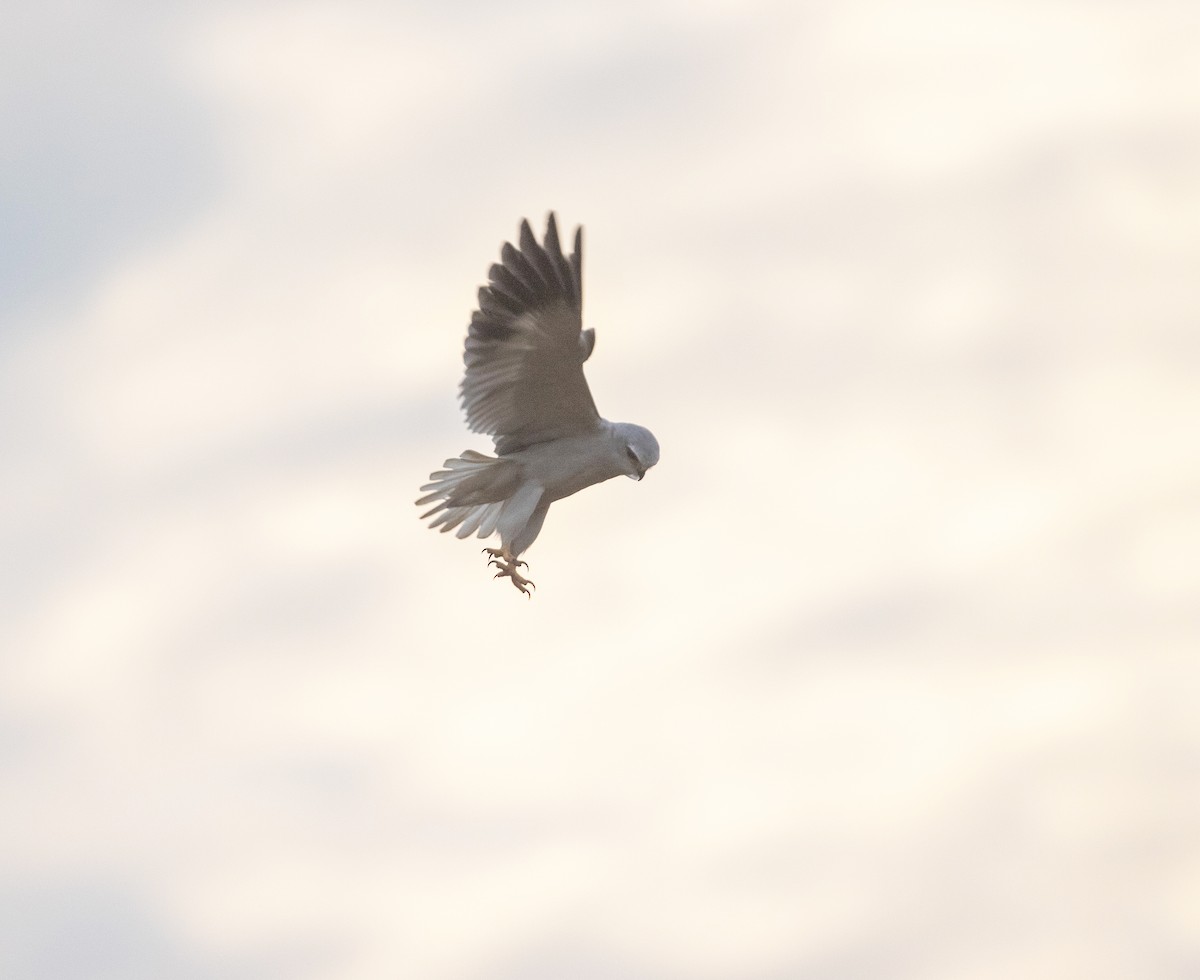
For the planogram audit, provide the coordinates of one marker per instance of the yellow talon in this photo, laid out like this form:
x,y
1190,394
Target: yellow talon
x,y
508,565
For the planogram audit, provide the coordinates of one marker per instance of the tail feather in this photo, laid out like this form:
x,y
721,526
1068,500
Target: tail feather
x,y
488,524
471,491
476,518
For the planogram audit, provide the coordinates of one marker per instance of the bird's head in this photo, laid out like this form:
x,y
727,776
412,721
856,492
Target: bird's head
x,y
638,448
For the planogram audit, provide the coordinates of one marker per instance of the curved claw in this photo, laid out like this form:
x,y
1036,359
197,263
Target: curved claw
x,y
508,566
519,586
500,553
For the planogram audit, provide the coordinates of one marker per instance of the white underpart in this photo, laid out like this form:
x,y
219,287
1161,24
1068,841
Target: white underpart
x,y
477,517
507,516
517,510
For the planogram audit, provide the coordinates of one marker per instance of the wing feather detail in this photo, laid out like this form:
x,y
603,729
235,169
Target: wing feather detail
x,y
524,351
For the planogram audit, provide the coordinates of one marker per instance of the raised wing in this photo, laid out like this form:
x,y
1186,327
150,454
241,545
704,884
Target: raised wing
x,y
526,346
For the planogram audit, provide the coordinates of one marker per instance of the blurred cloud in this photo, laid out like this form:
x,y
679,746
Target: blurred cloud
x,y
887,669
104,149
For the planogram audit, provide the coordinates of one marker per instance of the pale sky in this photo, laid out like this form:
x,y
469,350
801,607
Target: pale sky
x,y
887,670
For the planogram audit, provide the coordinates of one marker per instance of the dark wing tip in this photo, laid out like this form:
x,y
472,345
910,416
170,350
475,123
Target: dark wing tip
x,y
576,262
553,248
540,260
528,242
521,268
529,271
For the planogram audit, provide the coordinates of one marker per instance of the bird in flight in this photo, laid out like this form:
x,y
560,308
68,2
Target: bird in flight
x,y
524,387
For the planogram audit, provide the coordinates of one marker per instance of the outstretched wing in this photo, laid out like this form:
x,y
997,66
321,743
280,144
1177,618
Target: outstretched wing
x,y
526,346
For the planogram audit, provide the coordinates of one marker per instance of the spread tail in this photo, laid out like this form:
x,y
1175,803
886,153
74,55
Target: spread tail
x,y
471,492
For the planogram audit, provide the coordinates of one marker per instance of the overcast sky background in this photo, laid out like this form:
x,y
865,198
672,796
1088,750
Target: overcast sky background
x,y
887,670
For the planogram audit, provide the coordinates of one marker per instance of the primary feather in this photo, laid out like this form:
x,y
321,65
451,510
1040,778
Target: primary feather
x,y
525,346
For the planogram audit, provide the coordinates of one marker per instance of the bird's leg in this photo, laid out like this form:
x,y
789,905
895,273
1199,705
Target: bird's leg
x,y
504,560
503,554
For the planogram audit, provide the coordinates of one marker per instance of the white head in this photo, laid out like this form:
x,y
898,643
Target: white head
x,y
638,449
